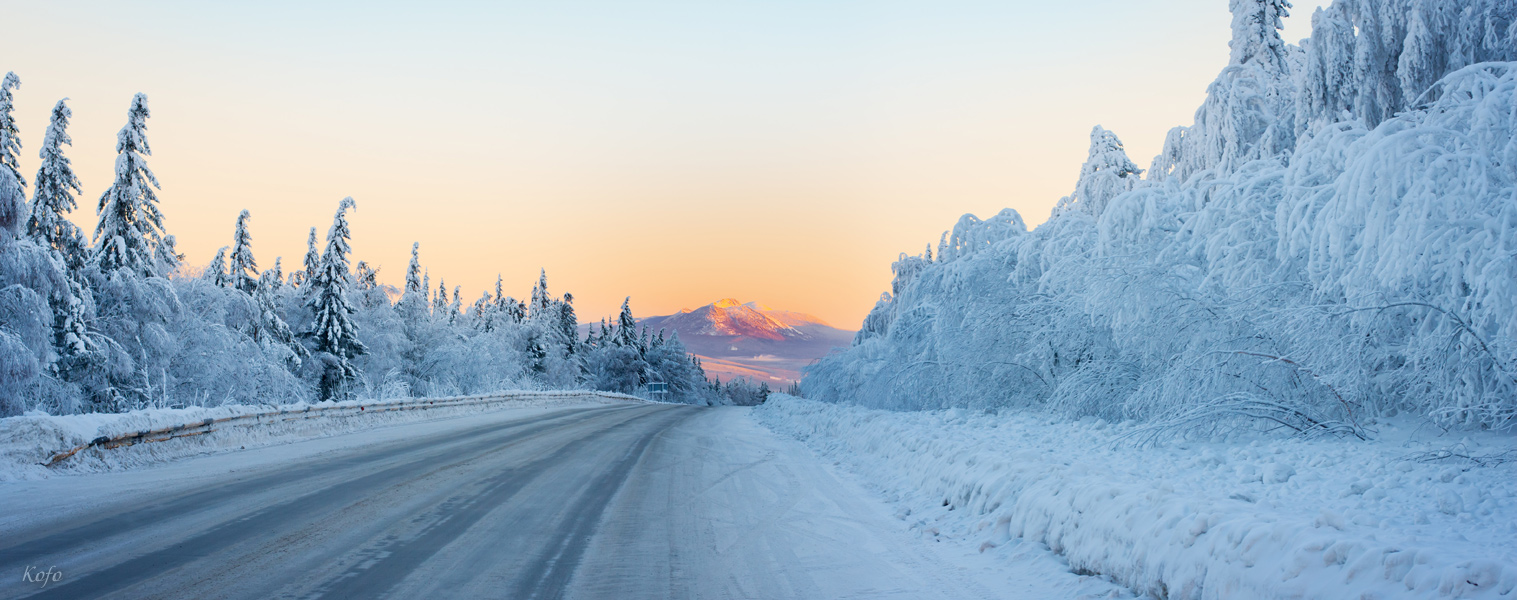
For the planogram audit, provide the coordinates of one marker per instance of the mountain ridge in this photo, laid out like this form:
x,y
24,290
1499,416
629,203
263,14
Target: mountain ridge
x,y
743,338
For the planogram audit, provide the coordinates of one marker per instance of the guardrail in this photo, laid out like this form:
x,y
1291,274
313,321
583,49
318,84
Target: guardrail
x,y
310,412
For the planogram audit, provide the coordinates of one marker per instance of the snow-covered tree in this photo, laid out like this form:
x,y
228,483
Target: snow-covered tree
x,y
1106,173
1258,280
426,287
413,271
53,198
482,313
216,271
1327,85
365,277
28,276
541,308
243,270
455,305
506,306
49,226
440,301
516,309
333,333
272,328
273,278
568,324
1256,33
130,233
312,260
626,326
10,140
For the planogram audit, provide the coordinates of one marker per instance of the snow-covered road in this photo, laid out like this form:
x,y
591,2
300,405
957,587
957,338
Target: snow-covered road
x,y
631,501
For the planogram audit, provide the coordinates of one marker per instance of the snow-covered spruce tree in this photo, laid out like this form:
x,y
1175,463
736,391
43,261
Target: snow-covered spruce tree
x,y
440,301
216,271
512,309
614,362
482,313
130,231
670,362
10,136
71,314
272,329
1256,33
626,327
333,333
568,323
273,326
426,288
416,367
370,293
53,198
455,305
541,308
413,300
365,276
547,349
243,270
134,304
312,261
618,358
413,273
1106,173
274,277
49,226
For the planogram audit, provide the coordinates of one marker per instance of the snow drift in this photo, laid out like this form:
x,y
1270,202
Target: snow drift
x,y
1271,518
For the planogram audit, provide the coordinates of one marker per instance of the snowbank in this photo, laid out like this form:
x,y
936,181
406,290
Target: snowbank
x,y
39,446
1268,518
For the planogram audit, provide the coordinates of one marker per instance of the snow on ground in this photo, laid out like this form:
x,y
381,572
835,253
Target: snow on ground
x,y
1260,518
26,442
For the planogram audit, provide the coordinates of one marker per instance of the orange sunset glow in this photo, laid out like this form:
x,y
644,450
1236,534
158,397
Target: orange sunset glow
x,y
783,153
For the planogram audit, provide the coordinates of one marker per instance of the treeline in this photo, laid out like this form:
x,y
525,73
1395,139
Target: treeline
x,y
1334,239
115,322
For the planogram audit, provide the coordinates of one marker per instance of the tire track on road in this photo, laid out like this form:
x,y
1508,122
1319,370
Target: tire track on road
x,y
399,559
158,511
549,575
303,508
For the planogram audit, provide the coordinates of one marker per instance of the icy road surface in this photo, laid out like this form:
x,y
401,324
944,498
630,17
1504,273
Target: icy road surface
x,y
634,501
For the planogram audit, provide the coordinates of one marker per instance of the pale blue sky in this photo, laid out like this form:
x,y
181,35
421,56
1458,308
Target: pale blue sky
x,y
679,152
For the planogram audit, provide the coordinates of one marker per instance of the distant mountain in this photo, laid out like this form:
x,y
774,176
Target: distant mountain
x,y
750,339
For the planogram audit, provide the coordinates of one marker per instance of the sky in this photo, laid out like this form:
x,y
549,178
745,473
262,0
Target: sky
x,y
783,152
